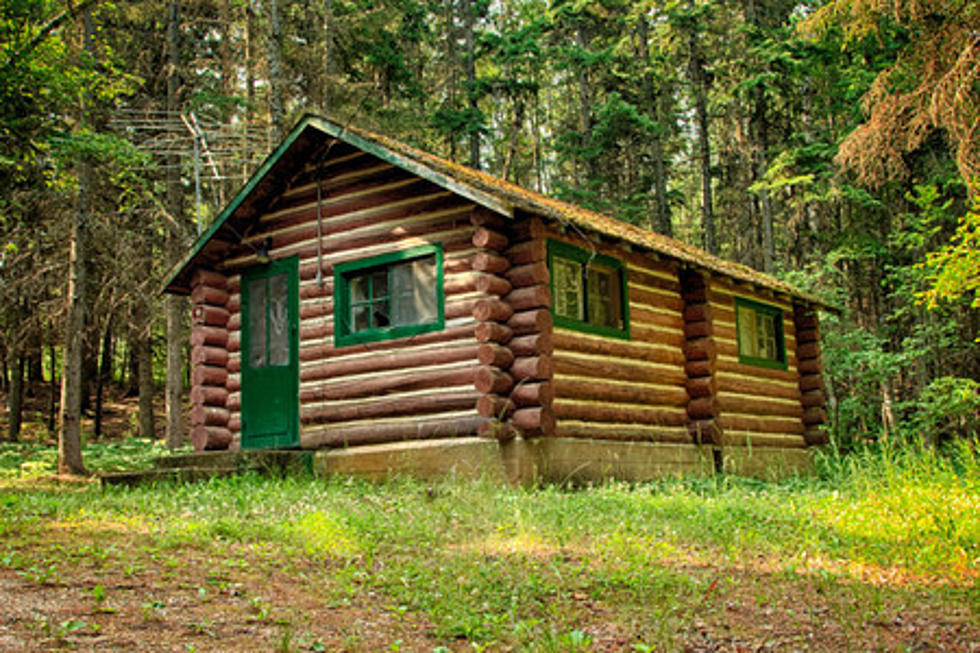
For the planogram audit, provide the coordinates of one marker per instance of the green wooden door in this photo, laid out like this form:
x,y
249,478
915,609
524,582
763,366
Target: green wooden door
x,y
270,354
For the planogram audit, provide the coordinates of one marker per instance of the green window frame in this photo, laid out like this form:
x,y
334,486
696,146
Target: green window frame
x,y
759,334
368,293
589,291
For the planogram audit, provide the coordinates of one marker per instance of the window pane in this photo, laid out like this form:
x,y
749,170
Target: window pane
x,y
380,314
278,300
413,291
256,322
747,341
603,293
767,337
568,288
360,318
360,288
379,283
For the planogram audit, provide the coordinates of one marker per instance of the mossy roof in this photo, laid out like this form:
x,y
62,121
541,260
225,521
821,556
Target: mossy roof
x,y
492,192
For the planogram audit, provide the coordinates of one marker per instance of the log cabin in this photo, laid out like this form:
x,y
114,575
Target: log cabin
x,y
394,311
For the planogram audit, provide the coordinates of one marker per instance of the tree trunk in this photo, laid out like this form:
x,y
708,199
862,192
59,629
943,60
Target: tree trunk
x,y
16,397
70,429
105,364
52,401
661,208
469,20
174,304
699,84
276,112
585,109
144,357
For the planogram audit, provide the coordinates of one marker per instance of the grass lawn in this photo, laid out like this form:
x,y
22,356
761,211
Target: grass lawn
x,y
879,551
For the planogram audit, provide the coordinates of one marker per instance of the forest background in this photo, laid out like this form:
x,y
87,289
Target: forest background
x,y
835,145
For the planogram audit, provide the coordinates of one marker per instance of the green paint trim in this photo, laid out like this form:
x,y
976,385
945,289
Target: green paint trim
x,y
341,273
777,313
290,266
573,253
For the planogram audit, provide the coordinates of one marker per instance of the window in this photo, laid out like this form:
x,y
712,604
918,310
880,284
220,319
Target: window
x,y
388,296
759,329
588,291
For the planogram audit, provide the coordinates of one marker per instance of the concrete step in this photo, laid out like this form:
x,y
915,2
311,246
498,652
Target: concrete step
x,y
266,461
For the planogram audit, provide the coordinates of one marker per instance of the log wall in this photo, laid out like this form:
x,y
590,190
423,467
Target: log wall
x,y
209,360
812,391
757,406
408,388
631,390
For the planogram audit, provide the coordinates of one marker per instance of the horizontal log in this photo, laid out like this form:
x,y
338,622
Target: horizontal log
x,y
622,432
381,361
700,329
691,279
768,440
645,276
702,408
757,387
527,252
529,393
807,350
755,372
234,342
209,416
234,304
813,398
234,383
204,294
522,299
209,395
495,355
533,321
316,290
210,315
811,382
494,429
235,423
694,295
209,375
534,344
618,370
806,319
326,351
641,317
494,406
697,312
700,368
203,354
234,364
490,262
388,384
493,332
210,438
815,437
529,274
492,310
530,229
758,405
809,366
807,335
759,424
534,421
705,431
205,277
491,284
814,415
703,386
234,402
602,390
532,367
356,434
485,238
394,406
700,349
491,380
593,411
212,336
456,250
482,217
660,300
614,347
